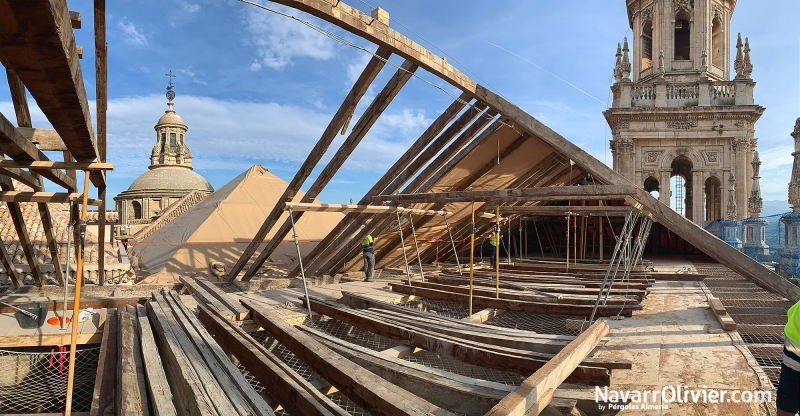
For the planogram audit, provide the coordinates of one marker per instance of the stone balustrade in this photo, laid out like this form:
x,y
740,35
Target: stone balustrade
x,y
686,94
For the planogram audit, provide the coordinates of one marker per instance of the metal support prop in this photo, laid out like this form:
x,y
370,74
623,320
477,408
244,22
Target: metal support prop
x,y
568,217
66,275
635,253
538,238
497,239
300,260
471,256
76,306
455,252
403,244
519,244
416,246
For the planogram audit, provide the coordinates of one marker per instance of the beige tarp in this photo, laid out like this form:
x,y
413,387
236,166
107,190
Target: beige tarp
x,y
219,228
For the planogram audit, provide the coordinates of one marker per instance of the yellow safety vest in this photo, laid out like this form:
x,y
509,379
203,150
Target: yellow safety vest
x,y
367,240
493,240
792,328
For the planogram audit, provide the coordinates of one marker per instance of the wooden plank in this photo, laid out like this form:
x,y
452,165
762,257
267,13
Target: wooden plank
x,y
550,210
19,99
371,209
157,385
239,311
408,164
22,232
46,197
292,391
550,193
207,297
727,322
131,395
231,381
717,306
368,118
101,75
47,226
524,295
103,401
75,19
58,304
187,386
46,139
513,305
49,164
339,119
363,387
544,381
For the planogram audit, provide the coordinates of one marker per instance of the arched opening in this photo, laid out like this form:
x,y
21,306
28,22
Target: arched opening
x,y
647,45
713,194
651,185
681,184
137,210
716,42
682,37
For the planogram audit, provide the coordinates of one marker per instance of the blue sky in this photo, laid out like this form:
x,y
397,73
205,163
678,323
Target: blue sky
x,y
257,88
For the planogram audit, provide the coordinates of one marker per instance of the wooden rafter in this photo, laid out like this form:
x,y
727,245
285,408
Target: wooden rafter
x,y
22,232
47,164
52,247
560,210
48,197
336,124
101,101
368,118
372,209
551,193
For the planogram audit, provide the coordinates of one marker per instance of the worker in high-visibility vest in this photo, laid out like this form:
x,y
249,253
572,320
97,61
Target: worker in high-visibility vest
x,y
493,242
368,249
788,402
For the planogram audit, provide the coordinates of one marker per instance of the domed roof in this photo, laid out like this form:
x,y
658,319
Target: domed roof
x,y
174,178
170,117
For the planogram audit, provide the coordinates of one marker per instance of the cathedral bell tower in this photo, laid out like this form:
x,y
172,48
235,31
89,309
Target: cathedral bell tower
x,y
679,111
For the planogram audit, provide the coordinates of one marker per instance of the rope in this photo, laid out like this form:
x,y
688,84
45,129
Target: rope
x,y
416,246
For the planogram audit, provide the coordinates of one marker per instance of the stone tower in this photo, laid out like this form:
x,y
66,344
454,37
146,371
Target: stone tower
x,y
789,257
676,110
170,175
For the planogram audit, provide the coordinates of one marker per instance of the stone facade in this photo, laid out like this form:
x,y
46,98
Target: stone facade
x,y
680,114
789,258
170,176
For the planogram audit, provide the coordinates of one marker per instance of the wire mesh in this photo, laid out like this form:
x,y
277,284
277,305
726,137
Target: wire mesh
x,y
36,382
351,333
452,365
773,373
543,324
440,307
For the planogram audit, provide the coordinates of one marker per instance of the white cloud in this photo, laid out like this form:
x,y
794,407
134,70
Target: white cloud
x,y
133,36
189,72
279,39
188,7
407,120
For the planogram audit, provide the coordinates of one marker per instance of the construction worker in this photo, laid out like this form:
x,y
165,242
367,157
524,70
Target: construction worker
x,y
788,402
493,242
368,249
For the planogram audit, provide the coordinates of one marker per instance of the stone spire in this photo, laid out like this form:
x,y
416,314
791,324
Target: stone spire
x,y
794,183
742,64
618,65
755,203
170,148
747,67
731,197
626,63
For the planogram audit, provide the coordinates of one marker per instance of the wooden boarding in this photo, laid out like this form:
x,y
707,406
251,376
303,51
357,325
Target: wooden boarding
x,y
207,297
215,362
466,351
49,164
157,385
369,209
239,311
512,305
103,401
631,288
291,391
536,391
558,290
458,394
363,387
131,395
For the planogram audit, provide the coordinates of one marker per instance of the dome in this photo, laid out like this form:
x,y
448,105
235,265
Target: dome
x,y
170,117
173,178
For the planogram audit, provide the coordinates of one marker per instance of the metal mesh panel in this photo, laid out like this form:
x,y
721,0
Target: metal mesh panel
x,y
352,334
36,382
440,307
774,374
452,365
759,319
541,323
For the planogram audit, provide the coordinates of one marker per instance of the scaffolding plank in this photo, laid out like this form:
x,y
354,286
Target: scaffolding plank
x,y
537,389
157,385
239,311
103,401
207,297
363,387
131,395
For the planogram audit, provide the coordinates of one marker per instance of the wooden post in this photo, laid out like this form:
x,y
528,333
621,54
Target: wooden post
x,y
471,256
567,250
497,251
601,238
76,306
101,102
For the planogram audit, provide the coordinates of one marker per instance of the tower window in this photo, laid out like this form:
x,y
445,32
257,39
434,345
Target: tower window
x,y
163,141
647,45
716,43
682,38
182,142
172,145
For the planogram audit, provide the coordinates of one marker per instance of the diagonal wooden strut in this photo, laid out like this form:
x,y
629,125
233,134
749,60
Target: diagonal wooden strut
x,y
370,116
22,233
341,117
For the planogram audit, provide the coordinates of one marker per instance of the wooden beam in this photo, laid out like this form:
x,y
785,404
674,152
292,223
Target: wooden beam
x,y
550,193
22,232
363,387
52,247
368,118
101,75
101,237
75,19
232,305
44,55
19,98
26,178
206,297
290,390
57,304
55,165
103,401
336,124
45,197
131,395
46,139
157,385
371,209
8,264
537,389
559,210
